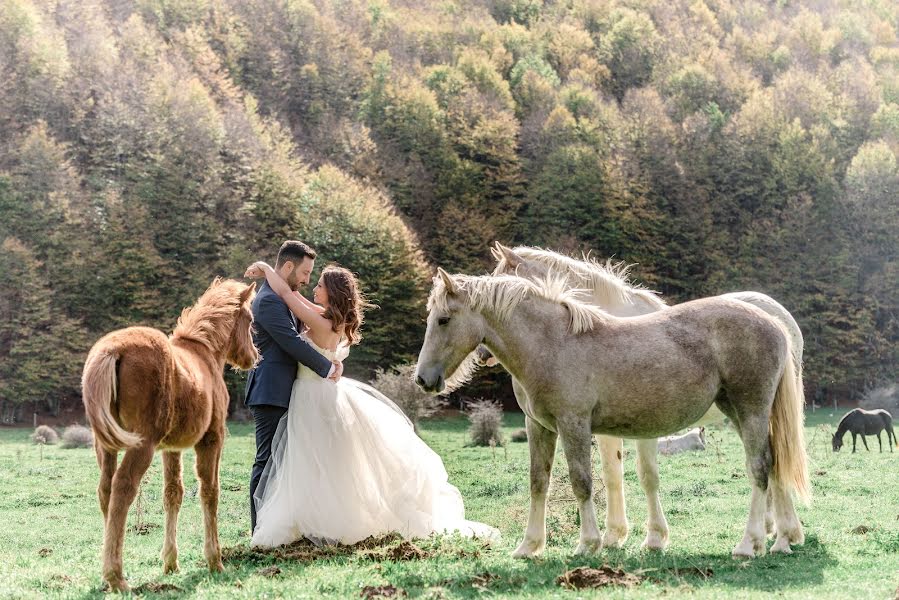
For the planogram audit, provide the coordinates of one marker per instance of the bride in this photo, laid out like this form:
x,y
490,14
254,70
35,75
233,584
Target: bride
x,y
346,463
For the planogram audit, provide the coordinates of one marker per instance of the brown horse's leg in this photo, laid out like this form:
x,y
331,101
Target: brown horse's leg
x,y
107,461
209,452
124,488
172,496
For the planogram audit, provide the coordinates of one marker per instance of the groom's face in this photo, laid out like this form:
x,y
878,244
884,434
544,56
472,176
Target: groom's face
x,y
301,273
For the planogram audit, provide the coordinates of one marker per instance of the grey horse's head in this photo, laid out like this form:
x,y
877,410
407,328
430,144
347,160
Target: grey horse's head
x,y
453,331
836,443
509,262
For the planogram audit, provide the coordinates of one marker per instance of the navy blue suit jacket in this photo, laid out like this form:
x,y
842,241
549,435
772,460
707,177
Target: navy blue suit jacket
x,y
281,348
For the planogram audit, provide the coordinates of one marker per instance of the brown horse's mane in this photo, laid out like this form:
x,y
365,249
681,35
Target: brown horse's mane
x,y
210,321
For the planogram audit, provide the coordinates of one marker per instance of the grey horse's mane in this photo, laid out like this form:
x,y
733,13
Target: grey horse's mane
x,y
502,293
610,280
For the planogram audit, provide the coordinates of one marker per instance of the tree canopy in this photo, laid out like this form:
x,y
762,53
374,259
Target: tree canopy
x,y
718,144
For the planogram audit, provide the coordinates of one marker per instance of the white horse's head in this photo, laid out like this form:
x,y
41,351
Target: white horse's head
x,y
453,331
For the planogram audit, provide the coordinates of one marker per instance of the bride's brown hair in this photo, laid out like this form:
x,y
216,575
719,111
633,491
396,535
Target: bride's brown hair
x,y
346,303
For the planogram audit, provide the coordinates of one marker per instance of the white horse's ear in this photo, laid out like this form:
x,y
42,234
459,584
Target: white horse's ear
x,y
447,281
495,251
511,257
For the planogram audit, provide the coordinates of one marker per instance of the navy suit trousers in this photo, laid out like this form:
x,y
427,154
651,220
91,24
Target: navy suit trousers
x,y
266,418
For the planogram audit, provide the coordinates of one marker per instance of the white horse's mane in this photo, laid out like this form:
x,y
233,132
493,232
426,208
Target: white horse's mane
x,y
610,281
502,293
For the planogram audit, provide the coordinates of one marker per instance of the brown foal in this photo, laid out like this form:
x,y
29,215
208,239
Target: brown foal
x,y
144,392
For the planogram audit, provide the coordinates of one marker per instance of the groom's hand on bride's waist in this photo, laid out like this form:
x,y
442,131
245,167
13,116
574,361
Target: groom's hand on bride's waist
x,y
336,370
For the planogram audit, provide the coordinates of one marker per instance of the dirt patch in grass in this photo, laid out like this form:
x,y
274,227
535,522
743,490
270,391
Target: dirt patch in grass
x,y
155,588
482,580
406,551
45,552
58,582
144,528
305,551
589,577
271,571
703,572
861,530
371,592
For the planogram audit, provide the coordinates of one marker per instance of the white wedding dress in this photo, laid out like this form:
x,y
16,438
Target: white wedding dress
x,y
346,464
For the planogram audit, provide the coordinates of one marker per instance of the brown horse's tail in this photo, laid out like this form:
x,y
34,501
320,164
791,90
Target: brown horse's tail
x,y
787,431
99,392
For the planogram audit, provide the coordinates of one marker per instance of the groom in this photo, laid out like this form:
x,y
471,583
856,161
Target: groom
x,y
281,348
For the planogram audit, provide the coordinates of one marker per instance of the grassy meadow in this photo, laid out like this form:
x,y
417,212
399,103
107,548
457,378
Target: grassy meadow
x,y
51,529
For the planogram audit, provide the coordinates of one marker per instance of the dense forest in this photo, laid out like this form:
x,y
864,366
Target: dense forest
x,y
720,145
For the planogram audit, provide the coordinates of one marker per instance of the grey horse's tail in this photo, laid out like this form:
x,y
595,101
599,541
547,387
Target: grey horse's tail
x,y
787,431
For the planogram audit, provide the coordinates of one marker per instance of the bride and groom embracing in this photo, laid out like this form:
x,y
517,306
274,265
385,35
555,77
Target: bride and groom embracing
x,y
336,461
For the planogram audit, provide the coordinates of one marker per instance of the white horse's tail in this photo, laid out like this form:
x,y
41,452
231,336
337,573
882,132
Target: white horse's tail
x,y
787,432
98,390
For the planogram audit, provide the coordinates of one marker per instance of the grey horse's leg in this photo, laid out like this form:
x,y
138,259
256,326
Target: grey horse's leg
x,y
648,472
754,433
611,452
865,442
789,529
542,447
879,442
853,441
576,437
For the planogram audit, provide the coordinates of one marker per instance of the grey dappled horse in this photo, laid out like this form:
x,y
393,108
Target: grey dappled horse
x,y
585,371
607,286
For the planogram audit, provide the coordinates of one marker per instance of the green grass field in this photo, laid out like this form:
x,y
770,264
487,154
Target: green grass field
x,y
51,529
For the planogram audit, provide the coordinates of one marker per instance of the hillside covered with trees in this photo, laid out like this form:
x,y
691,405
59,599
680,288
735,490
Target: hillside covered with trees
x,y
722,145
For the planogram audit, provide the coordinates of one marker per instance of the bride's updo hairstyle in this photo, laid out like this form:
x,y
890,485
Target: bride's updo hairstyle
x,y
345,302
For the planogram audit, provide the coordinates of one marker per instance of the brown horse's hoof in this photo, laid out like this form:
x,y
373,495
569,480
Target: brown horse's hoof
x,y
169,568
117,584
216,567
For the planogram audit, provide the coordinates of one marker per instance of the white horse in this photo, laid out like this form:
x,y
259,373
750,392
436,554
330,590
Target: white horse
x,y
582,371
608,287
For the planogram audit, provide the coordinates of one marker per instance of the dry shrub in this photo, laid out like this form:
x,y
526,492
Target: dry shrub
x,y
486,423
399,385
884,396
77,436
520,435
44,434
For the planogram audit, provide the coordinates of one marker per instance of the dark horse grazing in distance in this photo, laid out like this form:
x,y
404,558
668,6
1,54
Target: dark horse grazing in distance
x,y
865,422
145,391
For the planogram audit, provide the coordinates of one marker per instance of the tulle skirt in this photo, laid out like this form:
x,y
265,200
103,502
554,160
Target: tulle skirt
x,y
346,464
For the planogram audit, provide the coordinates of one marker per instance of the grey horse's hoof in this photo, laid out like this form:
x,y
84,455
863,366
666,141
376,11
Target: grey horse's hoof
x,y
782,546
655,541
749,549
588,547
529,548
614,537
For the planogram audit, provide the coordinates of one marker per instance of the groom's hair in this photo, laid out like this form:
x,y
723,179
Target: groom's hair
x,y
294,252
